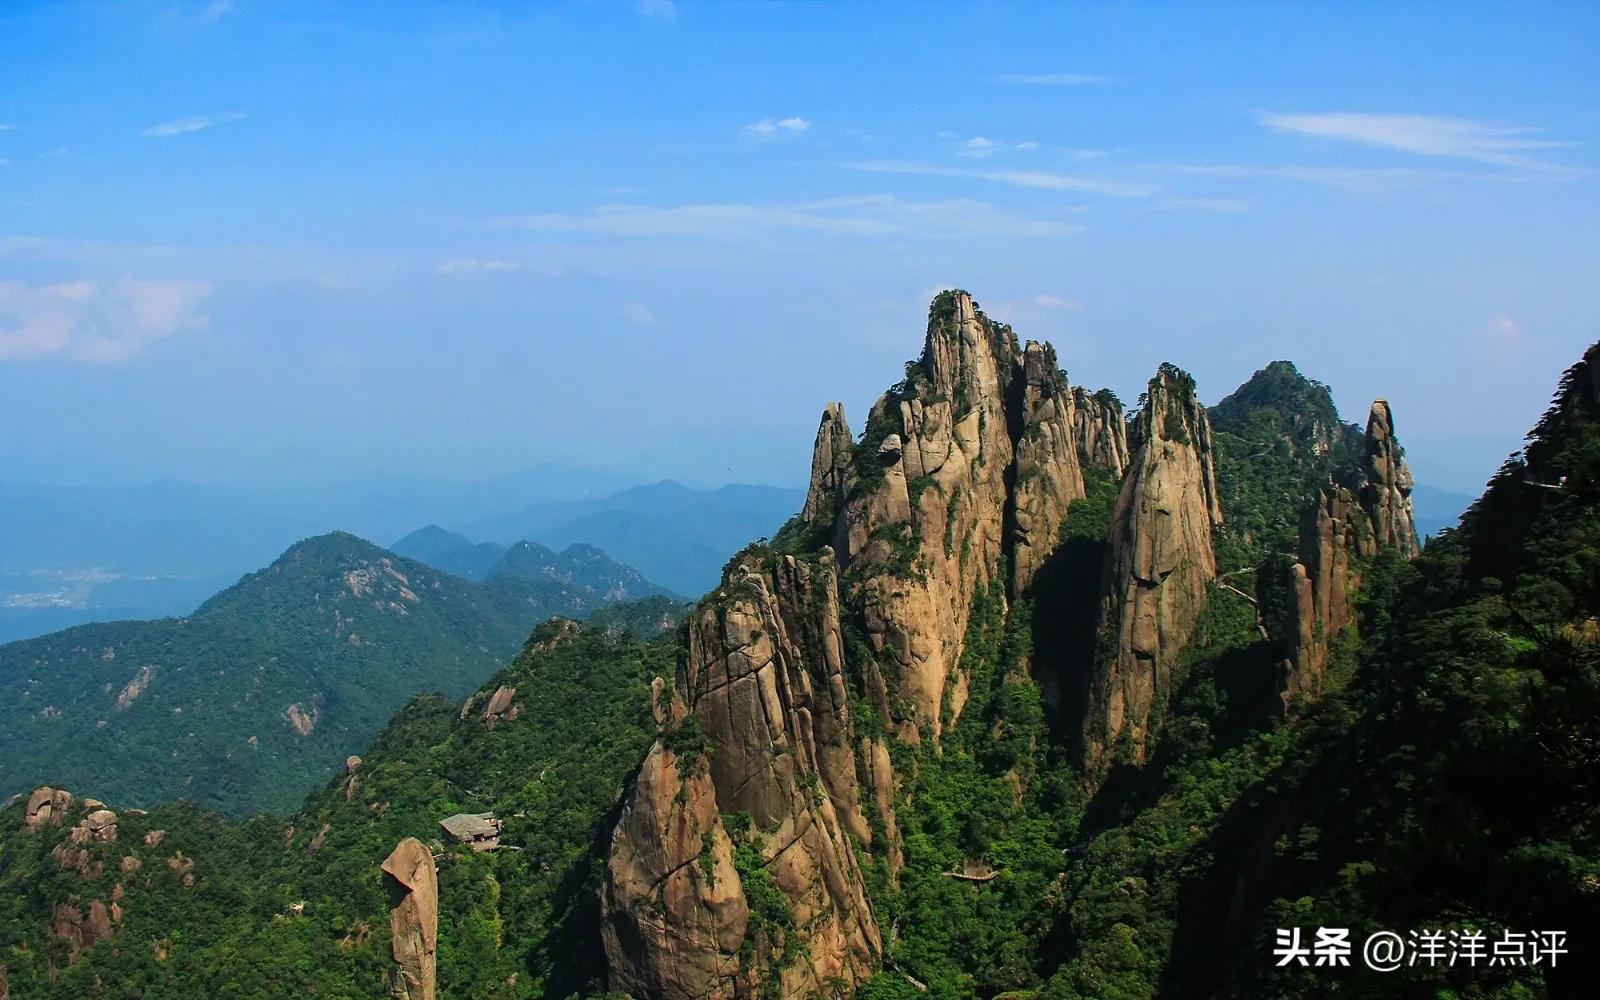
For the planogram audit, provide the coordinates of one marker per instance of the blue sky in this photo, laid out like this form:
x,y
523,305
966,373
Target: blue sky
x,y
259,241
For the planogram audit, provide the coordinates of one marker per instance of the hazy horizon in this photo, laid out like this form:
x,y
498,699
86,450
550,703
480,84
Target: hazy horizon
x,y
654,240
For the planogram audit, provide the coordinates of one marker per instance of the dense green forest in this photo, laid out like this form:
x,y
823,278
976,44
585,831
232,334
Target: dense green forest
x,y
254,699
297,907
1445,780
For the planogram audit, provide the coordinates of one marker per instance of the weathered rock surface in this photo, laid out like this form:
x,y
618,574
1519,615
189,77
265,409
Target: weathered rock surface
x,y
830,468
764,682
1159,560
931,526
1101,432
500,707
673,923
413,920
1387,493
1047,477
46,805
1346,527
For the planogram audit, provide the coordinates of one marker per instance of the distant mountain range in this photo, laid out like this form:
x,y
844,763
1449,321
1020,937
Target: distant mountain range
x,y
583,568
253,700
71,555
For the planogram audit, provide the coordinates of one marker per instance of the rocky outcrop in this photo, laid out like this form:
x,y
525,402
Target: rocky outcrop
x,y
79,930
675,915
1334,535
46,806
764,687
1047,476
1347,526
413,920
1100,431
500,707
830,468
1387,492
1159,561
931,521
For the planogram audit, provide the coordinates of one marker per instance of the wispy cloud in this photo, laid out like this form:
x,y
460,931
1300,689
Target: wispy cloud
x,y
664,10
1053,79
981,147
872,215
95,322
1358,180
183,126
215,11
1220,205
638,314
770,128
7,128
1016,178
476,266
1425,135
1045,301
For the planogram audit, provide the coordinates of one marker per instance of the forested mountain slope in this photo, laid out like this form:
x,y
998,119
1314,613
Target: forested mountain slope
x,y
254,699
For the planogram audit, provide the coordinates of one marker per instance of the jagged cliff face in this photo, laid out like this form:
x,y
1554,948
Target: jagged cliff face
x,y
1102,434
830,468
1387,493
966,467
976,461
1047,477
1158,563
1346,527
764,683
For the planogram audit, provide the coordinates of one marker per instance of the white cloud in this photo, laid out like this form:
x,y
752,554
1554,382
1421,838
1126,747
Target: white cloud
x,y
89,321
183,126
870,215
1015,178
1425,135
1045,301
981,147
637,314
664,10
476,266
1054,79
769,128
214,11
1500,336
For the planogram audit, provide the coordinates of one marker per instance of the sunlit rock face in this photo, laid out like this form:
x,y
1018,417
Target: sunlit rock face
x,y
1159,560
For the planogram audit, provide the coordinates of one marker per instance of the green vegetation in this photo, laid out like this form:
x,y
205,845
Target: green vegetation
x,y
512,923
1449,778
1278,440
200,708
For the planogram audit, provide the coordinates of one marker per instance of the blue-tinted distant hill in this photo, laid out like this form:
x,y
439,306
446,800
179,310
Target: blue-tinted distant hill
x,y
76,554
1435,510
584,568
677,536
